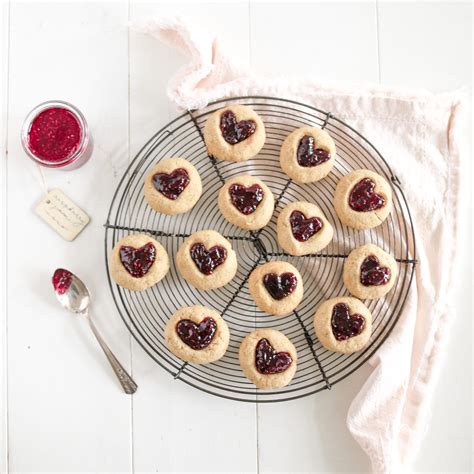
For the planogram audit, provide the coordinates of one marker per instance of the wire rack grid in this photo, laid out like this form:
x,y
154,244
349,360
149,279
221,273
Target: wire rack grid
x,y
146,313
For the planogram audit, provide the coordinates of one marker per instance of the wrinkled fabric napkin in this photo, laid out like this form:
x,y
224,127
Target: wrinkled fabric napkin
x,y
419,134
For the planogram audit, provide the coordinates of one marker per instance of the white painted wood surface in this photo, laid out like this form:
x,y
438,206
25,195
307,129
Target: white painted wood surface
x,y
65,410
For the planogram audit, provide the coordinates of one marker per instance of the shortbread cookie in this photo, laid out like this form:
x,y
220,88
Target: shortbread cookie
x,y
363,199
369,272
268,358
343,324
138,262
234,133
307,154
276,287
206,260
246,202
197,334
303,229
173,186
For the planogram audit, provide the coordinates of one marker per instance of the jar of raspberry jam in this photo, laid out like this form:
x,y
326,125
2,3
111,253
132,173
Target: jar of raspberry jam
x,y
55,135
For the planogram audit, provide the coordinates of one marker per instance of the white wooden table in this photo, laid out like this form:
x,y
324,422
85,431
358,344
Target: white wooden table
x,y
62,409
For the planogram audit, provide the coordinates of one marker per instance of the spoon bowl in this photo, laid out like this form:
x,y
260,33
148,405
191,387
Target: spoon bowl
x,y
70,291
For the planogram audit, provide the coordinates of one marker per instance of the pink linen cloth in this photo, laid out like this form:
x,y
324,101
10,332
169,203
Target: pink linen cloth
x,y
419,135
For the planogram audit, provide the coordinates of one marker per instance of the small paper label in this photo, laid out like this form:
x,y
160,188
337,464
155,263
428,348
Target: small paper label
x,y
60,213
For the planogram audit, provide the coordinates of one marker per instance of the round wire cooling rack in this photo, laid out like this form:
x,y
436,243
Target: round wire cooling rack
x,y
146,313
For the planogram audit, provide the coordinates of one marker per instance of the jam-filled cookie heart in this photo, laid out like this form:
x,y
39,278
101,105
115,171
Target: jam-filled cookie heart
x,y
276,287
343,324
172,186
363,199
234,133
206,260
302,229
138,262
246,202
280,286
307,154
246,198
369,272
268,358
197,334
372,273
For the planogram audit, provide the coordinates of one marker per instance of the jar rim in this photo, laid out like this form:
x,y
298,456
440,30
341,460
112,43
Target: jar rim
x,y
49,105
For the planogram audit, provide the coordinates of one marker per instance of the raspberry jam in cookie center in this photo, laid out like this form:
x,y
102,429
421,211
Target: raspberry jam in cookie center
x,y
304,228
308,155
372,274
208,260
246,198
362,197
280,286
197,336
62,280
137,262
173,184
234,132
268,360
345,325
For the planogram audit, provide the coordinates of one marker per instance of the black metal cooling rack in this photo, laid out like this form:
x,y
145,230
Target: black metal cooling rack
x,y
146,313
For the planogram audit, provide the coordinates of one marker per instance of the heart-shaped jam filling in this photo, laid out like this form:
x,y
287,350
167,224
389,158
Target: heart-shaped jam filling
x,y
307,155
234,132
363,198
208,260
173,184
62,280
197,336
345,325
372,274
246,198
268,360
137,262
280,286
304,228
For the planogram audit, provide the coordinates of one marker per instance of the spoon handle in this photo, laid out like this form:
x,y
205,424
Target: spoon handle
x,y
125,380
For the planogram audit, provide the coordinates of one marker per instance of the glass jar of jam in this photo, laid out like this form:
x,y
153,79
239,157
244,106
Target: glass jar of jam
x,y
55,134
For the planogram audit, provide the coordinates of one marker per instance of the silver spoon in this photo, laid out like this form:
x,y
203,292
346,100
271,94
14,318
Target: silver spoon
x,y
74,296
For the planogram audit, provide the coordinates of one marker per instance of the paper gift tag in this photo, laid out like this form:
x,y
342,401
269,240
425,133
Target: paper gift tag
x,y
62,215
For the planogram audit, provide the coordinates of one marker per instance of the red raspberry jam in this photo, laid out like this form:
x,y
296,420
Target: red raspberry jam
x,y
280,286
345,325
55,134
268,360
62,280
197,336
